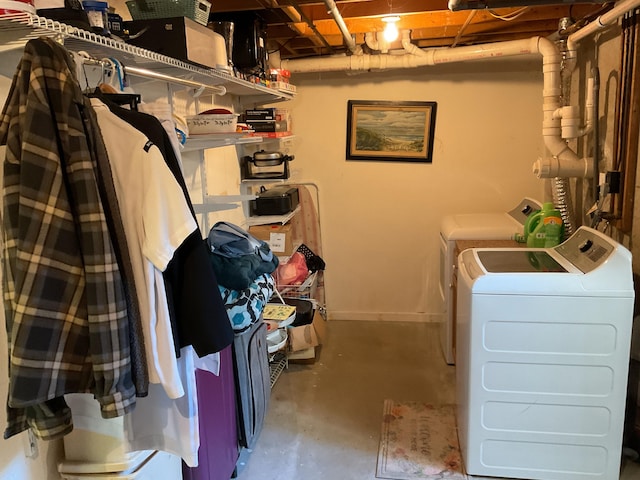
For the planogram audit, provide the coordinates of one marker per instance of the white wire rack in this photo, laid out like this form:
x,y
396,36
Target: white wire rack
x,y
16,29
277,364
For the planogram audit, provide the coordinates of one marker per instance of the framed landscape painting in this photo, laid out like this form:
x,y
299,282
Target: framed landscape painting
x,y
390,131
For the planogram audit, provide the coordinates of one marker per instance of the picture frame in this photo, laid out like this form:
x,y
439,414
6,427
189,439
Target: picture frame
x,y
390,130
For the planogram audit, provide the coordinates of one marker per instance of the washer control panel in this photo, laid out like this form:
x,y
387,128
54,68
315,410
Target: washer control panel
x,y
586,249
525,208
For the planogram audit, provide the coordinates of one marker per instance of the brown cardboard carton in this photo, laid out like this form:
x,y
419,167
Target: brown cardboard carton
x,y
279,237
307,336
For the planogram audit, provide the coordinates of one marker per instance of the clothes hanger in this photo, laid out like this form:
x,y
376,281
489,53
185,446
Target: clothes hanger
x,y
106,92
113,89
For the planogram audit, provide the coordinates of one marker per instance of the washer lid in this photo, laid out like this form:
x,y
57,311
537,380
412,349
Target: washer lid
x,y
480,226
519,261
489,226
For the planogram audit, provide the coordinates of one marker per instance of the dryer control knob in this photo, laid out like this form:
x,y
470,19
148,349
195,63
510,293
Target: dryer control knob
x,y
585,246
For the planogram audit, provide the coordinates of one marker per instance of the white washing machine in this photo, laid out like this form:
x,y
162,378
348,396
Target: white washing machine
x,y
473,226
543,340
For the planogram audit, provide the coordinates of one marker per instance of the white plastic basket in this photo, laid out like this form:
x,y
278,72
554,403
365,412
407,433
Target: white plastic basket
x,y
306,290
212,123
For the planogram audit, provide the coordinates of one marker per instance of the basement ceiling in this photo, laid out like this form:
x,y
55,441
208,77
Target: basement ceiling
x,y
304,28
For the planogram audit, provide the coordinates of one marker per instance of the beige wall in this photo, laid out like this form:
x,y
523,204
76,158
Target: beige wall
x,y
381,220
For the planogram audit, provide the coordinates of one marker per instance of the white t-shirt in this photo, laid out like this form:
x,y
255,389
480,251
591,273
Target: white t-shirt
x,y
157,423
156,220
161,423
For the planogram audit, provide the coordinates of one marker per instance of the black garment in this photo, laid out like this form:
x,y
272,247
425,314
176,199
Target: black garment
x,y
198,315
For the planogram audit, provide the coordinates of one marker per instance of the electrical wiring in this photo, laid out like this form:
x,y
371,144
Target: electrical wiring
x,y
282,45
510,16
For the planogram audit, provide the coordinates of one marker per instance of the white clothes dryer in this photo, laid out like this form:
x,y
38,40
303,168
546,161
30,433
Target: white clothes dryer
x,y
542,360
472,226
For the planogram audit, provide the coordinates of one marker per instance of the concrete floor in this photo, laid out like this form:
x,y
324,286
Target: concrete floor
x,y
324,419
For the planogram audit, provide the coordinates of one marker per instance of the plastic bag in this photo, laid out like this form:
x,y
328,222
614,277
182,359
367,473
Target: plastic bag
x,y
294,272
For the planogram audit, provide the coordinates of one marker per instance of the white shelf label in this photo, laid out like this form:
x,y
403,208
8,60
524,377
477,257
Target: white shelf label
x,y
276,242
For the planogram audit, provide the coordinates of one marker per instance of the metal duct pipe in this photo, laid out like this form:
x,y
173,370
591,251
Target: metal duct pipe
x,y
337,17
561,194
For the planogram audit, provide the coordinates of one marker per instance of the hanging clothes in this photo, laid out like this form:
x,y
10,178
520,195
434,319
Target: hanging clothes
x,y
65,304
195,305
139,368
157,220
162,421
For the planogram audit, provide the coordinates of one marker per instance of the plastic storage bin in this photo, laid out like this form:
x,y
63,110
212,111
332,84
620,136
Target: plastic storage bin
x,y
197,10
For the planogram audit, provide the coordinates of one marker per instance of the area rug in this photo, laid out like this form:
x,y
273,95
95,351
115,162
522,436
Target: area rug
x,y
419,442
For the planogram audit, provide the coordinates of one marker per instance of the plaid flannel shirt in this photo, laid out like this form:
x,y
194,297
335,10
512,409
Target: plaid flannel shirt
x,y
65,307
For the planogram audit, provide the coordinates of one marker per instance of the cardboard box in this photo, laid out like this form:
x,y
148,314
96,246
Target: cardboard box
x,y
280,114
306,356
269,119
269,125
271,134
279,237
307,336
283,87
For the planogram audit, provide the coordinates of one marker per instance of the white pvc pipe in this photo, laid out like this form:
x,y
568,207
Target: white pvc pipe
x,y
552,167
371,40
418,57
376,41
409,47
337,17
563,161
589,108
601,22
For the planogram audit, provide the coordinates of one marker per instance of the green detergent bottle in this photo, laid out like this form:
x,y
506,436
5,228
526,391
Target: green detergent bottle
x,y
544,228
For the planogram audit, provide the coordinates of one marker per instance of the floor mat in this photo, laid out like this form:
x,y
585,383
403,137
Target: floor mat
x,y
419,442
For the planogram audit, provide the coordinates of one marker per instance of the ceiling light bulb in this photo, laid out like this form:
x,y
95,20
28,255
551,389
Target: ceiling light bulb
x,y
391,29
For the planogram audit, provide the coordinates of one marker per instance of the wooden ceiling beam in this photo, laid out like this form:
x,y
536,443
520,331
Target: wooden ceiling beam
x,y
422,21
296,27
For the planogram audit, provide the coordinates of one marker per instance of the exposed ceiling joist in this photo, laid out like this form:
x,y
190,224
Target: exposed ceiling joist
x,y
299,28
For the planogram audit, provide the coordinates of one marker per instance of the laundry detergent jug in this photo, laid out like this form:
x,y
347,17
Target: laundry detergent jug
x,y
544,228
